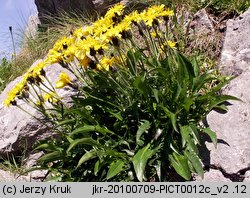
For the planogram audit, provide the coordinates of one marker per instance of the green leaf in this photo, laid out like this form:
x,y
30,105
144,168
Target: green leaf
x,y
195,133
132,59
144,126
81,112
156,94
115,168
46,146
212,135
51,157
220,99
66,122
221,84
117,115
97,167
87,156
141,86
196,67
200,81
186,133
172,117
180,164
86,141
140,160
91,128
194,159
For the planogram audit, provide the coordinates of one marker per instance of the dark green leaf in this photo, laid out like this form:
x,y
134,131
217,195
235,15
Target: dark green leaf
x,y
141,86
51,157
180,164
86,141
115,168
144,127
196,67
66,122
194,159
140,160
87,156
186,133
46,146
220,99
91,128
97,167
156,94
172,117
212,135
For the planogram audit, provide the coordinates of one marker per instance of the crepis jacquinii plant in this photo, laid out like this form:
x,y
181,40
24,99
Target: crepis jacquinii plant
x,y
138,103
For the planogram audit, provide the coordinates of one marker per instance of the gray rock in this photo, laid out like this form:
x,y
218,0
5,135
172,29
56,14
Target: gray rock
x,y
212,176
34,176
233,149
202,23
18,129
247,176
236,50
7,176
32,24
53,7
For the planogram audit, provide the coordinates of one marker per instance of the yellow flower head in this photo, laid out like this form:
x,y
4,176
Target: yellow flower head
x,y
14,92
105,63
84,61
64,80
50,97
132,17
115,10
153,13
171,44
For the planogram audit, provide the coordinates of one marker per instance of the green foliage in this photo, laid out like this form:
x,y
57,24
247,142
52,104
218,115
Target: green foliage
x,y
136,113
5,73
130,120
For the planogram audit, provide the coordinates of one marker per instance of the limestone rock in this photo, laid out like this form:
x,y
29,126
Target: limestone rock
x,y
32,24
34,176
212,176
247,176
54,7
233,149
18,129
236,50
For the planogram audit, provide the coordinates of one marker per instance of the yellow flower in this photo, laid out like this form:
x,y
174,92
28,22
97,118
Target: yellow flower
x,y
13,93
153,13
50,97
132,17
153,34
84,61
168,12
101,26
54,57
63,43
117,9
171,44
105,63
64,80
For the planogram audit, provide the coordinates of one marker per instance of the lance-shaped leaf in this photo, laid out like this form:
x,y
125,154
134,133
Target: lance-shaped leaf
x,y
87,156
144,126
115,168
140,160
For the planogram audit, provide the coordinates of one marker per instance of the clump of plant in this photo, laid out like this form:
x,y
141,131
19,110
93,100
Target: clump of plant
x,y
5,72
138,105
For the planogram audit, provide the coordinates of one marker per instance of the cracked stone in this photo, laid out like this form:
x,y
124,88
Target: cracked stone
x,y
232,128
212,176
247,176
